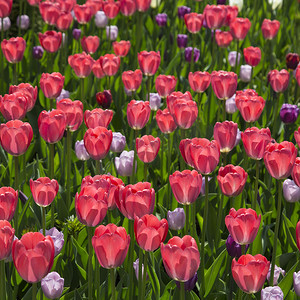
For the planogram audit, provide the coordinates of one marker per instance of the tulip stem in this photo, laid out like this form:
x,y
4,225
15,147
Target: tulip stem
x,y
162,165
16,216
90,265
3,281
237,54
182,291
145,273
130,259
276,231
169,196
134,158
193,47
187,219
34,291
202,251
145,171
182,132
51,175
69,145
82,92
44,220
224,110
219,220
140,276
254,200
199,109
112,284
139,29
15,73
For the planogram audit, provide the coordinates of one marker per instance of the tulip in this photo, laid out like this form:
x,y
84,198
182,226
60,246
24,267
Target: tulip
x,y
7,234
127,7
118,142
296,283
138,113
224,84
252,56
97,142
238,3
121,48
182,40
289,113
97,69
239,28
223,38
298,235
142,5
292,60
234,249
64,21
225,134
165,121
230,105
172,98
90,44
245,73
215,16
190,284
33,247
277,272
272,293
243,225
76,33
250,272
232,12
176,218
110,64
98,117
6,24
94,5
63,95
14,106
101,20
180,257
52,285
124,163
81,63
52,84
135,200
111,8
104,99
188,54
291,191
161,19
150,232
232,58
199,81
295,171
13,49
193,22
8,203
279,80
155,101
270,28
132,79
15,137
37,52
136,269
280,158
186,186
111,245
297,136
165,85
147,148
5,8
182,10
23,22
149,62
29,90
112,32
50,40
83,13
57,237
49,11
80,151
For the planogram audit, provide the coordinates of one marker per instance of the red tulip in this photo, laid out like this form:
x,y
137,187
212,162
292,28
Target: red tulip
x,y
181,257
13,49
104,99
149,62
186,186
298,235
250,107
224,84
297,74
7,234
232,180
49,11
270,28
132,79
280,158
14,106
81,63
66,5
43,190
138,113
121,48
111,245
29,90
255,141
177,96
165,121
150,232
8,203
73,111
15,137
33,256
239,28
110,64
193,22
201,154
111,8
94,5
90,44
252,56
199,81
127,7
64,21
52,125
225,134
297,136
83,13
296,171
215,15
98,181
91,205
279,80
165,85
147,148
135,200
50,40
142,5
232,12
223,38
292,60
52,84
97,69
5,8
98,117
97,142
250,272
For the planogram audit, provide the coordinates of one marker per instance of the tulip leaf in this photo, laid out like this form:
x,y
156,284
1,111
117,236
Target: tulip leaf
x,y
290,237
212,273
287,281
82,253
154,280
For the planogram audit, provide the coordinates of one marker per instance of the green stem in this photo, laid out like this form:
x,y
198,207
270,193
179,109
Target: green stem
x,y
34,291
138,31
51,103
51,175
3,281
97,165
130,260
182,132
145,273
162,139
219,220
24,167
182,291
243,249
187,219
224,110
112,284
237,55
69,145
276,231
140,279
134,158
145,171
15,80
82,93
254,200
16,216
192,57
97,278
199,109
90,265
169,202
44,220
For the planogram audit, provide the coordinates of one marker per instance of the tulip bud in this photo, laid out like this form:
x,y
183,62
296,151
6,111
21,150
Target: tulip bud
x,y
76,33
234,249
118,142
52,285
182,40
277,273
37,52
245,73
230,105
6,24
155,3
275,4
136,269
296,277
161,19
101,19
232,58
112,34
104,99
155,101
22,197
176,218
182,10
188,54
291,191
271,293
289,113
238,3
124,163
57,237
23,22
63,95
190,284
292,60
80,150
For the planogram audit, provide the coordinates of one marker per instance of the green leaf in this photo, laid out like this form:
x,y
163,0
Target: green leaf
x,y
287,281
154,280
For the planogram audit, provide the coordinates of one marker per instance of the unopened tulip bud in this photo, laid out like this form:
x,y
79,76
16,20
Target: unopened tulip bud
x,y
230,105
57,237
176,219
291,191
245,73
124,163
234,249
52,285
6,24
232,58
155,101
296,277
188,54
101,19
161,19
76,33
118,142
289,113
277,273
182,40
80,150
190,284
37,52
113,34
271,293
23,22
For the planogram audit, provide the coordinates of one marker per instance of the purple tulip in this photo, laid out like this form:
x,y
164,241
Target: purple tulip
x,y
63,95
161,19
101,19
118,142
155,101
245,73
113,34
188,54
277,273
221,2
80,151
182,40
52,285
57,237
182,10
190,284
136,269
230,105
176,218
76,33
296,277
271,293
289,113
37,52
124,163
291,191
23,22
6,24
232,58
234,249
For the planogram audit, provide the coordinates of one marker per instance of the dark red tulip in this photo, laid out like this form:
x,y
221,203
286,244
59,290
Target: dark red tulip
x,y
223,38
110,64
239,28
292,60
29,90
165,121
52,84
81,63
149,62
279,80
50,40
83,13
104,99
165,85
98,117
138,113
111,8
132,79
8,201
14,106
193,22
50,11
90,44
225,134
13,49
270,28
121,48
252,56
147,148
199,81
224,84
215,16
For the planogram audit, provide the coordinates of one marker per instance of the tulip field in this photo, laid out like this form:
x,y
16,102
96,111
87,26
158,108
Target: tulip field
x,y
150,149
